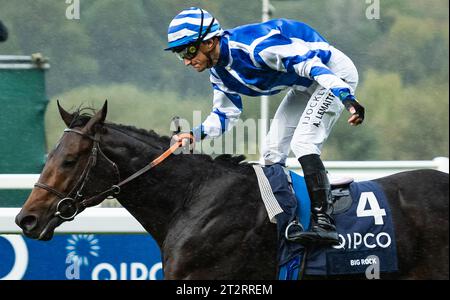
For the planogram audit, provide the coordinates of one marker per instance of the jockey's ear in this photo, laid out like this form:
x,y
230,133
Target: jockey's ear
x,y
97,119
66,116
210,44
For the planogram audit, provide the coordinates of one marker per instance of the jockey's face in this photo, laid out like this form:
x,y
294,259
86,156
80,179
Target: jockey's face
x,y
204,58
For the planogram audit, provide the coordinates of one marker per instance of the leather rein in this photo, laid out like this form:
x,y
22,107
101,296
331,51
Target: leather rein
x,y
72,203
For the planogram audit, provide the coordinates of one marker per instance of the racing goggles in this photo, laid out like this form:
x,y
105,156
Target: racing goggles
x,y
188,52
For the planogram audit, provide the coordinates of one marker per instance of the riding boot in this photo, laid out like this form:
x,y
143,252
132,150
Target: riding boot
x,y
323,229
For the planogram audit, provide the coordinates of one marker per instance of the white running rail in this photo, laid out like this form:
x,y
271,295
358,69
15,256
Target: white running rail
x,y
118,220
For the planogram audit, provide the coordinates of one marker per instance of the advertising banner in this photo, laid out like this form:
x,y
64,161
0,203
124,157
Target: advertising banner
x,y
81,256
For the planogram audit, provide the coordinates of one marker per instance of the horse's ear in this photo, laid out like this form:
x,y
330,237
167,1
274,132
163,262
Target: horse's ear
x,y
66,116
97,119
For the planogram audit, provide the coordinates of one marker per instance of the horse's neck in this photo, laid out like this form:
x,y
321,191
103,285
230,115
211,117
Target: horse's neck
x,y
157,195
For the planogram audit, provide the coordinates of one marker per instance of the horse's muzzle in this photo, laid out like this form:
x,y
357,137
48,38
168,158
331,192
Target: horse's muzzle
x,y
31,227
27,223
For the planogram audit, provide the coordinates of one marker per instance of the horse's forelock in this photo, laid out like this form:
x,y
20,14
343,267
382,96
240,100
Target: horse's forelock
x,y
82,115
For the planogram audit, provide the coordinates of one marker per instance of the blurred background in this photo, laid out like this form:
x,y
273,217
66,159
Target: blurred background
x,y
115,51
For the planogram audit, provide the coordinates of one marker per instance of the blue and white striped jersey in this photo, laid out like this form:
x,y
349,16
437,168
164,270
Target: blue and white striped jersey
x,y
264,59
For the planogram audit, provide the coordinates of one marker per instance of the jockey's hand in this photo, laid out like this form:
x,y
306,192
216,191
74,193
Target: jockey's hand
x,y
357,111
186,143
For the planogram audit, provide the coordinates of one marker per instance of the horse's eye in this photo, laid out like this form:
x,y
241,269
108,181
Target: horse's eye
x,y
69,162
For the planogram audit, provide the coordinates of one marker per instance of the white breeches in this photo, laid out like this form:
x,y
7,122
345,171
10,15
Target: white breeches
x,y
304,119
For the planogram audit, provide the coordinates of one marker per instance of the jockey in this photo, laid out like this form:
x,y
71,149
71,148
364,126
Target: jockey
x,y
264,59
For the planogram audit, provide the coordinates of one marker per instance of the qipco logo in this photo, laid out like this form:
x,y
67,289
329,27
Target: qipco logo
x,y
13,257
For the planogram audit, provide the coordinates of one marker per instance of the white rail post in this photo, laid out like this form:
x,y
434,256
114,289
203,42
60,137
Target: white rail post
x,y
441,164
264,124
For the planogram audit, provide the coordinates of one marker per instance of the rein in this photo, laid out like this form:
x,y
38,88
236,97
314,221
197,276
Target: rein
x,y
115,189
68,207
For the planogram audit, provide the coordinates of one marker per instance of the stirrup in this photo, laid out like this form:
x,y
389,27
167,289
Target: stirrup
x,y
286,231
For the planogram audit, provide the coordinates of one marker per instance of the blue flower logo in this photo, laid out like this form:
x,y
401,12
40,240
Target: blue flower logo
x,y
81,247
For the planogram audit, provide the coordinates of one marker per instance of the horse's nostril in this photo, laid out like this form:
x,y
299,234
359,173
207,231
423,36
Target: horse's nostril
x,y
28,223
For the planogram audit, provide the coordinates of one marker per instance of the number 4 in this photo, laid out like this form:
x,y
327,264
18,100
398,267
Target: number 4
x,y
375,211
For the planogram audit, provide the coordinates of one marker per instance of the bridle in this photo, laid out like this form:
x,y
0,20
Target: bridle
x,y
69,204
72,203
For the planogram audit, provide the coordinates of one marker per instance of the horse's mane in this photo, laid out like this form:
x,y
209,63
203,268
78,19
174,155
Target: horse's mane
x,y
83,114
143,135
228,158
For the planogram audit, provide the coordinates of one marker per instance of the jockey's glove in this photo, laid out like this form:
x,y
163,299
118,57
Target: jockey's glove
x,y
356,109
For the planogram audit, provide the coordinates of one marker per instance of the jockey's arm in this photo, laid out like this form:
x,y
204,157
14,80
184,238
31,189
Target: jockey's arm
x,y
227,108
223,117
314,69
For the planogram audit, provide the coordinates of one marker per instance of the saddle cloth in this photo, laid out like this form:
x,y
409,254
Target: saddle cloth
x,y
363,222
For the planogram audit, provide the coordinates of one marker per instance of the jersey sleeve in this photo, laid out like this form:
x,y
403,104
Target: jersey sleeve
x,y
313,68
294,55
227,108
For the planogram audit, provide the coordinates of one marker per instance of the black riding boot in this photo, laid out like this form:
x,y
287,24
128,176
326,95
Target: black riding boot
x,y
323,230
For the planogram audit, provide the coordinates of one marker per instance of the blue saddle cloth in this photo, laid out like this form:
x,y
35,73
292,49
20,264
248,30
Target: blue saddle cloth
x,y
365,229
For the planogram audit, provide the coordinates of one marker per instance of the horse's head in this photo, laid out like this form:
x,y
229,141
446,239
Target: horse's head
x,y
66,180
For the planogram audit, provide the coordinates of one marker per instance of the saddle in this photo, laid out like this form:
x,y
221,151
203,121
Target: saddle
x,y
363,222
340,190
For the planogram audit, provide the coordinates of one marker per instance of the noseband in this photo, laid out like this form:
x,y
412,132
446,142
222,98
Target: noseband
x,y
71,204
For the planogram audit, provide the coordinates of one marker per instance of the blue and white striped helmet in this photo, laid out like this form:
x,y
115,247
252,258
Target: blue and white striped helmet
x,y
185,27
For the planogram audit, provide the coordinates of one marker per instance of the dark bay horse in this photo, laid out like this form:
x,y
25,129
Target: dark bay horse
x,y
207,215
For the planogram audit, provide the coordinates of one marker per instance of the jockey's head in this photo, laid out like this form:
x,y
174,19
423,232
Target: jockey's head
x,y
191,36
